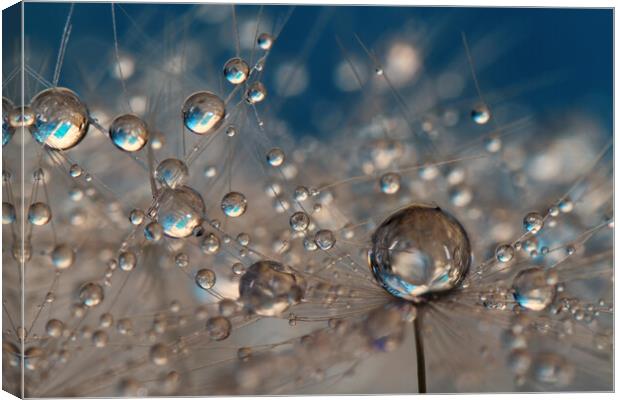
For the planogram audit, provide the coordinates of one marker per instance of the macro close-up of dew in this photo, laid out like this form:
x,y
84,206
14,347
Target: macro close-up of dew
x,y
225,199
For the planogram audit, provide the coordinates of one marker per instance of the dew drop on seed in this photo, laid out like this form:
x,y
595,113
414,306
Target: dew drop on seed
x,y
179,211
75,171
39,214
299,221
504,253
218,328
205,278
533,222
531,289
172,173
269,288
129,133
236,71
210,244
63,256
8,213
91,294
153,231
203,112
54,328
61,119
275,157
264,41
255,93
325,239
390,183
127,260
481,114
136,217
419,250
234,204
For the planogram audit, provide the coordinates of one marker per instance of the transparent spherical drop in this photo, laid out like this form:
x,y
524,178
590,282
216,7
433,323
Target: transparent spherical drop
x,y
129,133
325,239
39,214
181,260
54,328
91,294
172,173
533,222
211,244
61,120
136,217
504,253
301,193
179,211
255,93
21,118
218,328
481,114
153,231
7,129
390,183
531,289
419,250
203,112
299,221
127,260
100,338
234,204
264,41
236,71
159,354
275,157
8,213
75,171
63,256
269,288
205,278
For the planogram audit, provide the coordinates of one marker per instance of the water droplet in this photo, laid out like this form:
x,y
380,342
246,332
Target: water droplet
x,y
181,260
91,294
234,204
8,213
533,222
231,131
180,211
136,217
127,260
159,354
172,173
255,93
100,339
301,193
531,289
218,328
210,171
264,41
54,328
211,244
493,144
39,214
566,205
269,288
460,196
390,183
153,231
203,112
205,278
18,119
236,71
325,239
504,253
299,221
481,114
275,157
61,120
63,256
419,250
129,133
75,171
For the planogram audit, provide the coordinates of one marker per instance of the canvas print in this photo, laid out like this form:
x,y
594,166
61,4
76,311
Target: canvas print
x,y
224,199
